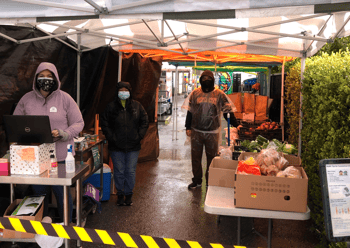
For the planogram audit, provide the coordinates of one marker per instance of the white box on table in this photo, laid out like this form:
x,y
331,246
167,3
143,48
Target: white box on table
x,y
30,159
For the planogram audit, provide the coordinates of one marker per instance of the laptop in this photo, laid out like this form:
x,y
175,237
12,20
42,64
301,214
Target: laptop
x,y
28,129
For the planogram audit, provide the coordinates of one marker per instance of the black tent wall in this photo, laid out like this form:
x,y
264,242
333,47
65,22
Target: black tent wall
x,y
99,74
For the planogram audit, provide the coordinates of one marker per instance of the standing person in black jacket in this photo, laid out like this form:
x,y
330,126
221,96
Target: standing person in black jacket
x,y
124,123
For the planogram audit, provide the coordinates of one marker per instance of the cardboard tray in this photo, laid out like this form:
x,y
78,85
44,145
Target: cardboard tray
x,y
272,193
9,234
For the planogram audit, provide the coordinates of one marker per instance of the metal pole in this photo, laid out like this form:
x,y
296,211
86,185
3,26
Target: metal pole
x,y
282,99
177,90
78,70
78,210
173,106
239,230
269,234
66,211
302,69
120,62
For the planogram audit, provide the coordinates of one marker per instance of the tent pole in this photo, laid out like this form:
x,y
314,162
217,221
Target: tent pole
x,y
78,68
173,98
282,99
177,90
120,66
268,82
302,69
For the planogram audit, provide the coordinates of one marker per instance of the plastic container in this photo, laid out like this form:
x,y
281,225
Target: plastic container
x,y
53,163
107,179
70,161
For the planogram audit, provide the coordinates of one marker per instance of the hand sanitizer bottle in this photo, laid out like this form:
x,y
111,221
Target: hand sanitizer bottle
x,y
53,162
70,161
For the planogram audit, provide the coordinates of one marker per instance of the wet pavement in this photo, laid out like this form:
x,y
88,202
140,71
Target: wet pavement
x,y
164,207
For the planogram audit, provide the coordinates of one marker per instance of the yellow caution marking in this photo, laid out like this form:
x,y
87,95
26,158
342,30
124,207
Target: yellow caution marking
x,y
129,242
38,227
84,236
172,243
237,246
17,225
1,226
61,232
149,241
194,244
216,245
106,239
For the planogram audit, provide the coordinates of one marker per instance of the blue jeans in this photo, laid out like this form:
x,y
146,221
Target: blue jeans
x,y
124,170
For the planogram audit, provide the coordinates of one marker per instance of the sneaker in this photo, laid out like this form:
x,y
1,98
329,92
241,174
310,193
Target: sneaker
x,y
120,201
194,185
128,201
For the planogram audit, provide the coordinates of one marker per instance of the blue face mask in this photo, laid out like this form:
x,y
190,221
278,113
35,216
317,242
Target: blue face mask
x,y
123,95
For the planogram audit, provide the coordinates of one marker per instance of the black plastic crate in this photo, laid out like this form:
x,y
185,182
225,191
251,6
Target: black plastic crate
x,y
235,155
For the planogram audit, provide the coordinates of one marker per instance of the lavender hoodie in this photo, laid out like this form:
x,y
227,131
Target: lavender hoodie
x,y
61,108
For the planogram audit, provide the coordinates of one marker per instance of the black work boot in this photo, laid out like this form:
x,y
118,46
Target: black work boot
x,y
120,201
128,201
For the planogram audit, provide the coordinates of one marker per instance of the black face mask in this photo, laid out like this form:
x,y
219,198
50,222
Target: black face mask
x,y
207,85
46,84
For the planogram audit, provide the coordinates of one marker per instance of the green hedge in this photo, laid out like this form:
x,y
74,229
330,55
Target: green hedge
x,y
326,122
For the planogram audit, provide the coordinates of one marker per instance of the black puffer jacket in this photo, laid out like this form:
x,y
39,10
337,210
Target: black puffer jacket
x,y
124,128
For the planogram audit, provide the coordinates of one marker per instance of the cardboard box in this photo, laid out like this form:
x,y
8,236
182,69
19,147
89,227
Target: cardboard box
x,y
9,234
272,193
4,167
222,172
30,159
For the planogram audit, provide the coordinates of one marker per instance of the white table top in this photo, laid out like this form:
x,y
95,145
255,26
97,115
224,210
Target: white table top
x,y
220,201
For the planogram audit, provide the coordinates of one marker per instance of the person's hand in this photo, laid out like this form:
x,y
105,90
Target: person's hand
x,y
55,133
239,127
188,133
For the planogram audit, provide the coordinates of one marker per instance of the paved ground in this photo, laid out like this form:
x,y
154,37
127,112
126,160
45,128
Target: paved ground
x,y
164,207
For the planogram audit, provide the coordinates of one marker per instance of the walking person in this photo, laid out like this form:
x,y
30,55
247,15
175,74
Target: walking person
x,y
124,122
204,107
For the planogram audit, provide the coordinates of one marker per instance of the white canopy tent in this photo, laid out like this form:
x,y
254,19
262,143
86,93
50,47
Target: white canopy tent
x,y
218,31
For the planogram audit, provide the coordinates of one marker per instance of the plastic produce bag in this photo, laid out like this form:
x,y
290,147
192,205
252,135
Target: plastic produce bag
x,y
290,172
225,152
248,167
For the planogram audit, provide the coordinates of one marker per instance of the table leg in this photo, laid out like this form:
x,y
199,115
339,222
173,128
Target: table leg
x,y
269,234
238,230
78,210
66,211
12,192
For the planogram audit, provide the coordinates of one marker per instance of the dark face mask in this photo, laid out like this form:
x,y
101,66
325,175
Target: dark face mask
x,y
207,85
46,84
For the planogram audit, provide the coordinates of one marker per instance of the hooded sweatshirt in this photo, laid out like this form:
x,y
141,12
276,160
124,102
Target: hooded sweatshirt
x,y
124,127
205,106
61,108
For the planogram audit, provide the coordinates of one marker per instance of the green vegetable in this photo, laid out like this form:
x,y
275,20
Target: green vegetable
x,y
261,140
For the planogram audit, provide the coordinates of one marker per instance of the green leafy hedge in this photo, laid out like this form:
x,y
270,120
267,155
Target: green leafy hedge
x,y
326,123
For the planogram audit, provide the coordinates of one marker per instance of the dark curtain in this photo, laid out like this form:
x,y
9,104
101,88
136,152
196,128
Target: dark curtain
x,y
99,75
143,74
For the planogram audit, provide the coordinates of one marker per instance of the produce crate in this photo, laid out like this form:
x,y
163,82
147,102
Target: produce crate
x,y
270,134
248,131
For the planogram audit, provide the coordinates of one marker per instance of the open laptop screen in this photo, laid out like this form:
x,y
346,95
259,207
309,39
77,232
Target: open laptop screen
x,y
27,129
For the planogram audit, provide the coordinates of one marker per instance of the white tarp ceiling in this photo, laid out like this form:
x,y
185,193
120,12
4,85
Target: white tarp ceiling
x,y
188,27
